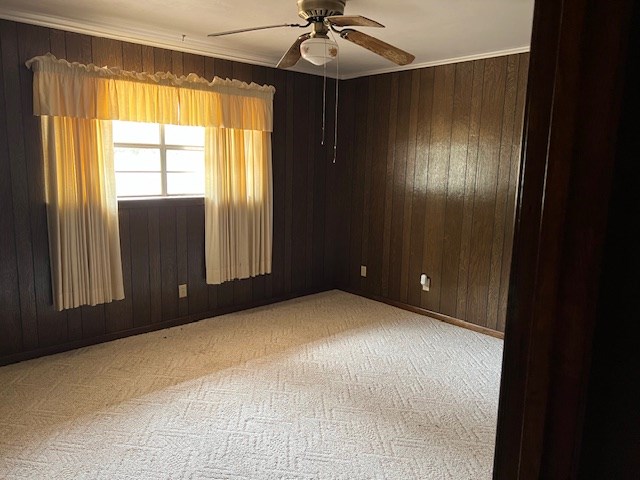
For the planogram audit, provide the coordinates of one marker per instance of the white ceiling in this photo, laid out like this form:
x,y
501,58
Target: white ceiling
x,y
435,31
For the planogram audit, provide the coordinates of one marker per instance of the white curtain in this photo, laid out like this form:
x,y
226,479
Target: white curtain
x,y
82,212
238,204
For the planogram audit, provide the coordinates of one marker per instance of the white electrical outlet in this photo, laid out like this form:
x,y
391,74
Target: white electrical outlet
x,y
182,290
363,270
425,282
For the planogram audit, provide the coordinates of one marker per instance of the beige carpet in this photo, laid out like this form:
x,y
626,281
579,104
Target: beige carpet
x,y
330,386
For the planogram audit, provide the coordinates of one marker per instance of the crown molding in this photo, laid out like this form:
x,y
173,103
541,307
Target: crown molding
x,y
136,34
163,39
435,63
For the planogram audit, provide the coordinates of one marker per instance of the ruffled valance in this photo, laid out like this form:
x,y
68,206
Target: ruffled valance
x,y
61,88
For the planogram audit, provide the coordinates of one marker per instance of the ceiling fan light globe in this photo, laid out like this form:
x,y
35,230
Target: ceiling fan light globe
x,y
318,50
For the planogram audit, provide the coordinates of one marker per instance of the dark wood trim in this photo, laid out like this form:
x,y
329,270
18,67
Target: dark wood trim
x,y
611,432
108,337
576,75
428,313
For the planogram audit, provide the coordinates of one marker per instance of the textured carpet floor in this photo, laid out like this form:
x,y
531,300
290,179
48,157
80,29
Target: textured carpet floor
x,y
330,386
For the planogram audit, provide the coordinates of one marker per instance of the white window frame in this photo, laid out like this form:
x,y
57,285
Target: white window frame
x,y
163,147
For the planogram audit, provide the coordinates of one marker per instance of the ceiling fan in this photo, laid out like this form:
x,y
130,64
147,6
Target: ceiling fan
x,y
316,46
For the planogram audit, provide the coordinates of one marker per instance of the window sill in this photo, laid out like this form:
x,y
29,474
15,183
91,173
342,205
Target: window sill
x,y
147,202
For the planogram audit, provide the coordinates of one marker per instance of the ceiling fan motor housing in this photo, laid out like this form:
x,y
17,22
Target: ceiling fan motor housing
x,y
316,10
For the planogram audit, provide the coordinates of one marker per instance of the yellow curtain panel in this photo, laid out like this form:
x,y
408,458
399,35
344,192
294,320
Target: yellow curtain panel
x,y
77,103
238,199
82,212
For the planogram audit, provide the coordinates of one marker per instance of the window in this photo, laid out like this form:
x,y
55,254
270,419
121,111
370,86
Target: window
x,y
153,160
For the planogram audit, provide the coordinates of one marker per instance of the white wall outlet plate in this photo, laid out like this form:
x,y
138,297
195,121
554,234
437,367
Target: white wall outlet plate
x,y
425,282
363,270
182,290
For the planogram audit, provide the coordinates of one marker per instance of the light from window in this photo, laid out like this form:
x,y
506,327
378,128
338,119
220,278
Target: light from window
x,y
153,160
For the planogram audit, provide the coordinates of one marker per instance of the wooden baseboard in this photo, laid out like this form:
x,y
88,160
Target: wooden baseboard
x,y
428,313
108,337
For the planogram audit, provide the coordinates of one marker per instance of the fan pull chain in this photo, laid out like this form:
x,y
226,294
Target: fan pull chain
x,y
324,101
335,135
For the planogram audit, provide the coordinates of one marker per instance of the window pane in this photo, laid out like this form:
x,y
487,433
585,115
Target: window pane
x,y
130,184
185,184
185,160
136,132
137,159
180,135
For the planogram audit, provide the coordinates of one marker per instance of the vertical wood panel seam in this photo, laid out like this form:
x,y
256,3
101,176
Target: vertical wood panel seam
x,y
151,321
366,202
466,166
400,195
133,321
506,206
413,187
446,197
388,200
13,213
413,113
495,194
475,180
27,207
424,234
24,148
463,239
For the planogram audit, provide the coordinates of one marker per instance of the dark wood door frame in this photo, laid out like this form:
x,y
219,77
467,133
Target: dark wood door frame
x,y
579,53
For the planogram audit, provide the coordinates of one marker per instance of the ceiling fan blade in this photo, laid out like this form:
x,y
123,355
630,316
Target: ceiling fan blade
x,y
242,30
352,21
292,56
378,47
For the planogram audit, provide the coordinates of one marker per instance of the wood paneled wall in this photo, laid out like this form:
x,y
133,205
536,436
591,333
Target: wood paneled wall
x,y
425,182
429,168
162,243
